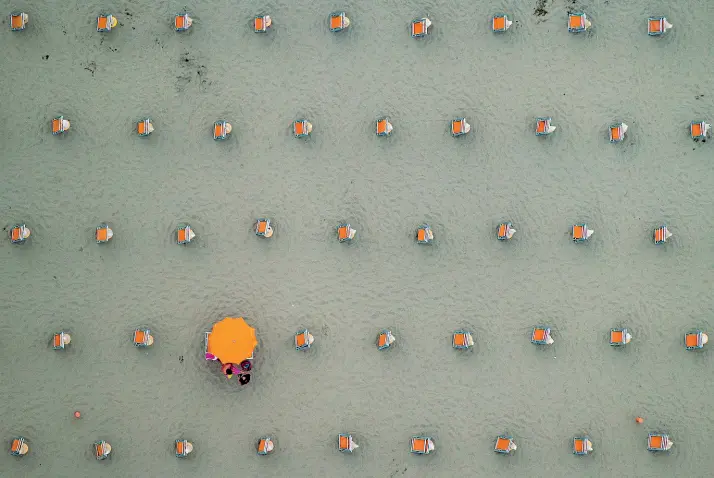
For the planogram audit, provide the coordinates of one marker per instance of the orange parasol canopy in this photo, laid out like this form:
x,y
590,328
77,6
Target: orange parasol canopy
x,y
232,340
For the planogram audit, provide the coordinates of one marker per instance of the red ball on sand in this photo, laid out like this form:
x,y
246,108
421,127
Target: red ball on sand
x,y
77,414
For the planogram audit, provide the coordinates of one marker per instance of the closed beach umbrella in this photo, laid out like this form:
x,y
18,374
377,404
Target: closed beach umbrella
x,y
232,340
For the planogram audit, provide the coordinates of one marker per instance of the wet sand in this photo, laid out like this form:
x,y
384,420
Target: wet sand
x,y
141,401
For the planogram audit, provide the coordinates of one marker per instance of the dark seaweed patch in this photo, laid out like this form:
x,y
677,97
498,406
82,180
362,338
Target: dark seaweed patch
x,y
540,8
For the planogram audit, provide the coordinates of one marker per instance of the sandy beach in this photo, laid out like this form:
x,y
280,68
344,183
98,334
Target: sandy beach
x,y
141,400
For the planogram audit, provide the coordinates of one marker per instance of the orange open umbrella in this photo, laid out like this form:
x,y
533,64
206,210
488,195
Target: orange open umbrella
x,y
232,340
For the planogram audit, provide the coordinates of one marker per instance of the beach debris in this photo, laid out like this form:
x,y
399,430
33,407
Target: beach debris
x,y
540,8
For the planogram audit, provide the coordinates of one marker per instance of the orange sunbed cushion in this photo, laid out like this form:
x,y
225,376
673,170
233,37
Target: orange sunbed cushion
x,y
259,24
578,232
218,130
102,23
382,340
460,339
539,334
691,340
696,129
616,336
58,340
300,340
343,232
336,21
139,337
102,234
15,447
575,21
381,126
540,127
262,226
419,444
344,442
141,127
456,126
418,27
659,235
615,132
502,444
16,234
56,125
579,445
656,441
655,26
421,235
100,449
299,127
179,447
499,23
16,21
180,21
502,230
